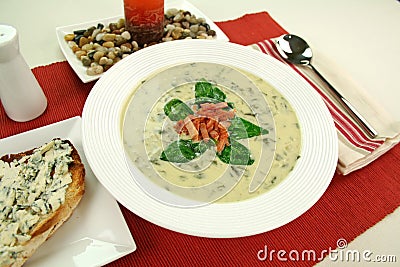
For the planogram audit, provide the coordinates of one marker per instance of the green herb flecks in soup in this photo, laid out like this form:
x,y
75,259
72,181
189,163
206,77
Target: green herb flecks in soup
x,y
187,158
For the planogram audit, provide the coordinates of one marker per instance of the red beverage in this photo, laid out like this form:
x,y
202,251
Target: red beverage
x,y
144,20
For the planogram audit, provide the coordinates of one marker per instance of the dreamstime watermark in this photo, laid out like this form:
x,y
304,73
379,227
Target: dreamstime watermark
x,y
340,254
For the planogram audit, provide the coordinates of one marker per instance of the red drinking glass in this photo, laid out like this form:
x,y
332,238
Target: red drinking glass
x,y
144,19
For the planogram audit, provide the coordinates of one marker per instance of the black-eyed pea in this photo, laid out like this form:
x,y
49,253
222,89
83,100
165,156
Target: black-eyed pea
x,y
135,46
125,49
69,37
87,47
80,53
109,37
82,41
111,55
101,48
117,51
128,45
108,44
109,62
121,23
98,55
103,61
75,49
99,36
96,45
86,61
119,40
113,26
94,70
126,35
202,28
95,32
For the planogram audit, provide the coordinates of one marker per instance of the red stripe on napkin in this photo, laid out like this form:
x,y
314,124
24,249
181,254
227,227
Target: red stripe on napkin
x,y
343,123
350,205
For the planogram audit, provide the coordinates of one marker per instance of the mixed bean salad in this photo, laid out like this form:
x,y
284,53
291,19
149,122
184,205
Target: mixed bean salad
x,y
101,46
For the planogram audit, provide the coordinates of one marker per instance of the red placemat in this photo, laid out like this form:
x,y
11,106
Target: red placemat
x,y
350,205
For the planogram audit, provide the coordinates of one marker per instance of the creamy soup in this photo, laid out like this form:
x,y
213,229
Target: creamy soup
x,y
147,132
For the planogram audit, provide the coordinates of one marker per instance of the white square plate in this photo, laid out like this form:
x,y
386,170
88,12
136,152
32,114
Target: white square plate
x,y
76,64
96,233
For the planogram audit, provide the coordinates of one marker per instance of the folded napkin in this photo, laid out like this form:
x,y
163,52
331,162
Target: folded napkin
x,y
356,149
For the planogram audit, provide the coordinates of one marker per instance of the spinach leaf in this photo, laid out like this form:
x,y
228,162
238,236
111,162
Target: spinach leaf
x,y
182,151
179,151
201,147
242,129
236,154
176,110
205,90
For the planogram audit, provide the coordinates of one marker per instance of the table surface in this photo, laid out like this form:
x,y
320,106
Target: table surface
x,y
361,36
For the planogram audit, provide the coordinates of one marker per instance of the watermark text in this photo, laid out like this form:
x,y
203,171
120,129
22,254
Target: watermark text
x,y
340,253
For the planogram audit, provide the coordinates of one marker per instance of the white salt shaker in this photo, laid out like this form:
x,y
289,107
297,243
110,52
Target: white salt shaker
x,y
20,93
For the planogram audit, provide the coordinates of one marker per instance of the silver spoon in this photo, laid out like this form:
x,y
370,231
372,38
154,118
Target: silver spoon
x,y
295,50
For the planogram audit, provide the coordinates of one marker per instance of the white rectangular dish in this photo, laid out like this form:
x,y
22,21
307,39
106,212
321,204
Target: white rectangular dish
x,y
96,233
76,64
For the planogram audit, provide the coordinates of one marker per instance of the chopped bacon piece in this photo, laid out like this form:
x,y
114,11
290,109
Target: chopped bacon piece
x,y
216,111
211,120
220,115
223,135
196,123
210,125
214,134
216,124
193,133
180,127
220,105
222,142
204,132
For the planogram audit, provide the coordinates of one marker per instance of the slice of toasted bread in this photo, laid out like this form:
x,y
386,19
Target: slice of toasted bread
x,y
50,222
